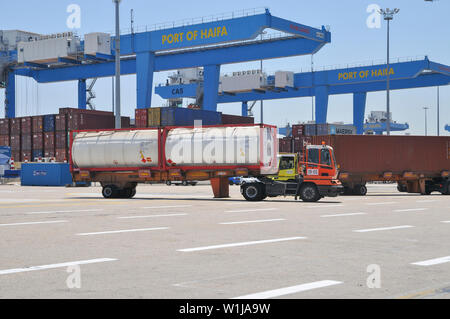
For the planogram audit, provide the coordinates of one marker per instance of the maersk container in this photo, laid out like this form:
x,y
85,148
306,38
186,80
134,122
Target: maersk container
x,y
177,116
36,154
136,148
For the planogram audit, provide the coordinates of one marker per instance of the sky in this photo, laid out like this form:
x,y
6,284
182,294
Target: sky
x,y
420,28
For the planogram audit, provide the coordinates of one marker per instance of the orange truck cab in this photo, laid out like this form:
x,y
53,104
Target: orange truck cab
x,y
311,179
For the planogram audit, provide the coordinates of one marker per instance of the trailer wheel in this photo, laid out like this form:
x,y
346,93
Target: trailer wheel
x,y
360,190
127,192
309,193
252,192
168,183
184,183
110,191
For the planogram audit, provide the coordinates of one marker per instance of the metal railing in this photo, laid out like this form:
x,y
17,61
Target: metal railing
x,y
192,21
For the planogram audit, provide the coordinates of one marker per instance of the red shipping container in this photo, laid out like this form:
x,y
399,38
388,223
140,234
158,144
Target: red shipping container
x,y
26,156
141,118
38,124
15,126
4,140
4,126
38,141
298,130
15,143
26,123
49,153
61,155
61,122
61,140
27,142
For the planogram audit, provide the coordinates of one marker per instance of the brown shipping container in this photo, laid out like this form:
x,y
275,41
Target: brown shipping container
x,y
126,122
61,140
38,141
61,155
61,122
27,142
49,141
371,154
69,110
4,127
141,116
154,116
236,119
298,130
285,145
49,153
4,140
15,155
81,121
15,125
15,143
26,123
38,124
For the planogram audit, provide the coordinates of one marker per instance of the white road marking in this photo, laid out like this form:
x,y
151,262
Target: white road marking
x,y
252,221
426,201
52,266
240,244
383,203
410,210
66,211
290,290
122,231
383,228
35,223
324,206
151,216
176,206
431,262
250,210
349,214
445,221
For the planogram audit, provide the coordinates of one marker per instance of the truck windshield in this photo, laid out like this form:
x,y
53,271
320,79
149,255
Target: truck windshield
x,y
313,155
287,163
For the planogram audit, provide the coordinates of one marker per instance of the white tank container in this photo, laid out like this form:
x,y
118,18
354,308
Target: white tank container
x,y
221,146
109,149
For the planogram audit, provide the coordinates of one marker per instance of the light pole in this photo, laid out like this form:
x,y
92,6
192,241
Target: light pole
x,y
388,16
117,104
438,98
262,103
426,128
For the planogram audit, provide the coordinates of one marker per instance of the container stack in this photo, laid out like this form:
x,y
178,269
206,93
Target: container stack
x,y
302,135
175,116
46,136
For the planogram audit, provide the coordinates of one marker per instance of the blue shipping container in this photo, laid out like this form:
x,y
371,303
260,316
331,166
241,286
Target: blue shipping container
x,y
45,174
5,155
37,154
178,116
49,123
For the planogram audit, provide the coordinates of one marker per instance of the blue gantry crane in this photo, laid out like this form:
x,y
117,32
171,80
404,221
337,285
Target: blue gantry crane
x,y
208,45
321,84
447,127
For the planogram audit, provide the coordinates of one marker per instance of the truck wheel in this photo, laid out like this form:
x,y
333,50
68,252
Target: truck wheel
x,y
360,190
252,192
194,183
168,183
184,183
110,191
309,193
127,192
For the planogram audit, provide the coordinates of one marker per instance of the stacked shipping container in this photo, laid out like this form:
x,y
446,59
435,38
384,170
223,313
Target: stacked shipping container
x,y
46,136
175,116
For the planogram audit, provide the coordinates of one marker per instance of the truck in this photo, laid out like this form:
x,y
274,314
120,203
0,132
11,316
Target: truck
x,y
418,164
121,159
310,175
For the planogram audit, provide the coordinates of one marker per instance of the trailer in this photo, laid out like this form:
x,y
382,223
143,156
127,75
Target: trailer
x,y
418,164
121,159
